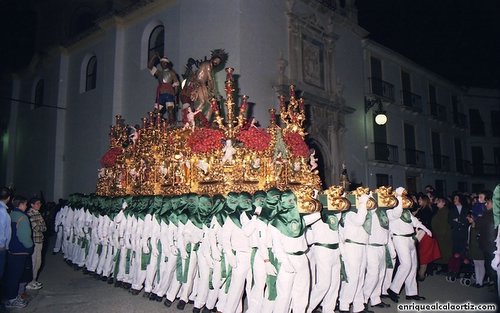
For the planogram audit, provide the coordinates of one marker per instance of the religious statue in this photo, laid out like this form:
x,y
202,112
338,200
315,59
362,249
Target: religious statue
x,y
200,85
168,84
229,151
313,161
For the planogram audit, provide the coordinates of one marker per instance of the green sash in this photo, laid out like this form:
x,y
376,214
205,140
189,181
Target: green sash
x,y
146,257
406,216
272,293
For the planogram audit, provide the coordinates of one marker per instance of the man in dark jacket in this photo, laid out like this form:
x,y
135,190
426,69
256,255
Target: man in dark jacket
x,y
486,234
20,248
457,218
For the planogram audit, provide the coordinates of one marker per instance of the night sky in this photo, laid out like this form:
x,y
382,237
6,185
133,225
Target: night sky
x,y
457,39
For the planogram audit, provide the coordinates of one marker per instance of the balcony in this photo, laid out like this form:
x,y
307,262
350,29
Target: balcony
x,y
459,120
381,88
415,157
383,152
486,169
438,112
412,101
441,162
464,167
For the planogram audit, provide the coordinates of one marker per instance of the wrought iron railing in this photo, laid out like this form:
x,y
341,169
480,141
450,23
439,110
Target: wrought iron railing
x,y
438,111
464,167
412,101
385,152
460,120
441,162
415,157
381,88
486,169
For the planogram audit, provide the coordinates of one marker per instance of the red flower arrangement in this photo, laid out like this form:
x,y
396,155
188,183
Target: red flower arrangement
x,y
296,143
255,139
204,140
109,158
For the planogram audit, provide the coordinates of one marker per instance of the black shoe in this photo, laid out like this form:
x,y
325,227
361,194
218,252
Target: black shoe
x,y
205,310
196,310
384,296
127,285
54,253
104,278
181,305
420,278
366,310
382,304
111,280
394,296
416,297
134,292
152,296
118,284
167,303
85,271
476,285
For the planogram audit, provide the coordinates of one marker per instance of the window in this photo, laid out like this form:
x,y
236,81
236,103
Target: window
x,y
495,126
382,180
91,74
39,94
433,99
156,42
477,160
476,123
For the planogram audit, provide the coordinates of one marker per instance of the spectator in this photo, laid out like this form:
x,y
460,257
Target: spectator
x,y
486,237
479,206
38,228
5,232
428,249
475,253
457,218
442,232
20,248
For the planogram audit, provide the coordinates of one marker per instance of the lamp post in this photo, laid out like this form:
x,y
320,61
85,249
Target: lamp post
x,y
380,113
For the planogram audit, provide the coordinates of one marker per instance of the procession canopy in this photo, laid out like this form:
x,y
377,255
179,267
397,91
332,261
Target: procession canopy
x,y
230,153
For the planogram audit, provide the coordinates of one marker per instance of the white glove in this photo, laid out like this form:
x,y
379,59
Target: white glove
x,y
183,253
362,200
427,231
399,191
270,269
231,260
145,249
258,209
210,261
155,252
496,261
124,205
174,250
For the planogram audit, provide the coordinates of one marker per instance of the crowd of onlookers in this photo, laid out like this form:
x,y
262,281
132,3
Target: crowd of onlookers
x,y
22,229
464,228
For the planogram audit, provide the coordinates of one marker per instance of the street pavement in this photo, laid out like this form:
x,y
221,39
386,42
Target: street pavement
x,y
68,291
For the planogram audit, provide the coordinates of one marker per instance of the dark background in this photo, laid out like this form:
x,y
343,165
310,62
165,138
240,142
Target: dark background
x,y
457,39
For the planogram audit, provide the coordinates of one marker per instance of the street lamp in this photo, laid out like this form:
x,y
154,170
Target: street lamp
x,y
380,113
